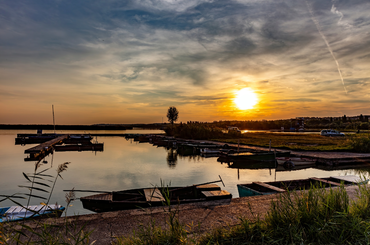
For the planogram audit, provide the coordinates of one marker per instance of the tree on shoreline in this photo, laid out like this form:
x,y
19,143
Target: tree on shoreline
x,y
172,114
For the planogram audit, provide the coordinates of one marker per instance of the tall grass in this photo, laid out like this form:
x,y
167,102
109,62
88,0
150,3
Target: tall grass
x,y
316,216
361,143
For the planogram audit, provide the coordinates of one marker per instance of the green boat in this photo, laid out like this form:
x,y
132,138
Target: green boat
x,y
267,188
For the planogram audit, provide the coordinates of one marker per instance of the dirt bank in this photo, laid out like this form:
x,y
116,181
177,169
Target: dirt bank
x,y
199,217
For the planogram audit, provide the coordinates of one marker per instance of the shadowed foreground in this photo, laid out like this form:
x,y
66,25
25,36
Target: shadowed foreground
x,y
198,218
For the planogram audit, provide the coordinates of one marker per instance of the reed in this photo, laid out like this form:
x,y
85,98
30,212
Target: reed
x,y
36,231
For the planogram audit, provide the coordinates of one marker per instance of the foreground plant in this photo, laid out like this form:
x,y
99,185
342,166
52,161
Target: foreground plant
x,y
37,231
316,216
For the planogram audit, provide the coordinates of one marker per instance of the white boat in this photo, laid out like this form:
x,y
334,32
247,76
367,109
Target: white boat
x,y
331,132
16,213
296,161
209,151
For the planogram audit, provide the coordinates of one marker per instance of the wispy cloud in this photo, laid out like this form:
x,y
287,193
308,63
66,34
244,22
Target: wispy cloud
x,y
120,56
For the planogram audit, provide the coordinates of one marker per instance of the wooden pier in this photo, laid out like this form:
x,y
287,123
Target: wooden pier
x,y
45,148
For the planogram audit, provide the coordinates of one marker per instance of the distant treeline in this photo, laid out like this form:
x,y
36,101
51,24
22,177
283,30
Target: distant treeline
x,y
287,124
78,127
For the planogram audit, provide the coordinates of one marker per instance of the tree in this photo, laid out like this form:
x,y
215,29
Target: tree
x,y
172,114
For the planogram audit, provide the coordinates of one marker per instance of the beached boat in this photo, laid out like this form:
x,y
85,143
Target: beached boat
x,y
296,161
154,196
267,188
17,213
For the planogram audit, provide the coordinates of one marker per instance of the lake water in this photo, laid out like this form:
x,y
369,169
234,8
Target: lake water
x,y
126,164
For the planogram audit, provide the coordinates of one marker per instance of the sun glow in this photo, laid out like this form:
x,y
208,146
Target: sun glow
x,y
245,99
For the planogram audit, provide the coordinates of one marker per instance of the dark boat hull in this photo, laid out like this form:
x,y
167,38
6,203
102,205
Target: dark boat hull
x,y
153,197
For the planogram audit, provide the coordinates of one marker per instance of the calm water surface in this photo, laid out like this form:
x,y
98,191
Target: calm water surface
x,y
126,164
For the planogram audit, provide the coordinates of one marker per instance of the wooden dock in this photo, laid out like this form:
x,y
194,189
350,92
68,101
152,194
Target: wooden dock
x,y
45,148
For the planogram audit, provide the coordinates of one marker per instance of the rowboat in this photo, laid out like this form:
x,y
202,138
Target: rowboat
x,y
155,196
267,188
17,213
295,161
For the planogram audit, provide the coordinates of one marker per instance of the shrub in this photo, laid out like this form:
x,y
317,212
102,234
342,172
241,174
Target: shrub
x,y
360,144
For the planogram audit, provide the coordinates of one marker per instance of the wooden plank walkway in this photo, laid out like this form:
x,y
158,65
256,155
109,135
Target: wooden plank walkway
x,y
46,145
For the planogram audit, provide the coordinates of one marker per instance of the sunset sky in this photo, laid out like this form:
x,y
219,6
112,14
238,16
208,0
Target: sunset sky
x,y
128,61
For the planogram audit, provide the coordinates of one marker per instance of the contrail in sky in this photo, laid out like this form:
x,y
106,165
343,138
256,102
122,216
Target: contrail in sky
x,y
326,41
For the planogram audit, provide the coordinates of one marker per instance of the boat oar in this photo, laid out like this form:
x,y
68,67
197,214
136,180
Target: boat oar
x,y
133,194
206,183
88,191
211,182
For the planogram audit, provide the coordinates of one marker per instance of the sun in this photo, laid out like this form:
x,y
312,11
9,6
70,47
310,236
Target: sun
x,y
245,99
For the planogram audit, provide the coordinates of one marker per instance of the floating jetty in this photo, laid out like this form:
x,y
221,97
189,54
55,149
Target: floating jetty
x,y
58,143
43,149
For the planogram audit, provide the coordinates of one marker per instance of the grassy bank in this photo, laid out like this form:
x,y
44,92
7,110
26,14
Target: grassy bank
x,y
305,142
298,141
310,142
317,216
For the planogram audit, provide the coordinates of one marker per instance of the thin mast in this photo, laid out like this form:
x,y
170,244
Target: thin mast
x,y
53,117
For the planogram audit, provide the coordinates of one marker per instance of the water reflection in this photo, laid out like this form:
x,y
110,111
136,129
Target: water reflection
x,y
124,165
171,158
